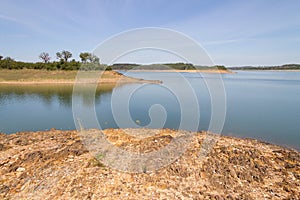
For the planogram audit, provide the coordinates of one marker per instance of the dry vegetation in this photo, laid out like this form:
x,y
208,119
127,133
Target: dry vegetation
x,y
32,76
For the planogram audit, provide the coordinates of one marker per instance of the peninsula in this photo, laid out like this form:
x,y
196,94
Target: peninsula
x,y
34,76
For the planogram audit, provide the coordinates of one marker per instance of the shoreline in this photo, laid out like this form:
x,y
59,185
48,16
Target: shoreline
x,y
33,162
187,71
73,82
271,70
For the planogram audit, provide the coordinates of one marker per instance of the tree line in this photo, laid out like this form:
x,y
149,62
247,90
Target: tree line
x,y
165,66
64,61
280,67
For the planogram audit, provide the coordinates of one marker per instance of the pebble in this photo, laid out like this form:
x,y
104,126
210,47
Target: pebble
x,y
20,169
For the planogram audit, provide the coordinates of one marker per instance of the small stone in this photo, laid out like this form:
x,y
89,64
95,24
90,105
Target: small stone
x,y
20,169
202,175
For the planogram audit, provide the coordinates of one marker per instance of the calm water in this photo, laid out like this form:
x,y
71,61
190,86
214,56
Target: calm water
x,y
261,105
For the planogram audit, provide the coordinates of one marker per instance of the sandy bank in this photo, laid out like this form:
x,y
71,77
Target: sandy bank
x,y
56,165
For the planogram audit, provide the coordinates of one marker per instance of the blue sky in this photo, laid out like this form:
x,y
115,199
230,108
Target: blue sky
x,y
234,33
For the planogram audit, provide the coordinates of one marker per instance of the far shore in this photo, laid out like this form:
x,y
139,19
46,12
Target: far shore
x,y
269,70
215,71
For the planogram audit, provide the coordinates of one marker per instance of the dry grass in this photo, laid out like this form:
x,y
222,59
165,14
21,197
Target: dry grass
x,y
43,75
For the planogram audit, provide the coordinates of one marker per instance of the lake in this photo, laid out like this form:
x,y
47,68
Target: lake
x,y
264,105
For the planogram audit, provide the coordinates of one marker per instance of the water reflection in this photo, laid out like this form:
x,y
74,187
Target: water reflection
x,y
49,93
41,107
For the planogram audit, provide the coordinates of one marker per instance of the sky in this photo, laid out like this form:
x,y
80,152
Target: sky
x,y
232,33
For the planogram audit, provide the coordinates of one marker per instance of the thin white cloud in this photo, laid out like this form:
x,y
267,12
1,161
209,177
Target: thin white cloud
x,y
9,18
219,42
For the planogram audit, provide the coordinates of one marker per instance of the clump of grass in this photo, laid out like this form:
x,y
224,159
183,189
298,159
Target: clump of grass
x,y
144,169
96,163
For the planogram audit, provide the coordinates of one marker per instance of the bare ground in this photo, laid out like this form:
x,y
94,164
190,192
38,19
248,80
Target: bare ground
x,y
56,165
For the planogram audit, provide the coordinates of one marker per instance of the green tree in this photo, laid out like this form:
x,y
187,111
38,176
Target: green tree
x,y
9,59
8,63
59,56
64,55
220,67
84,56
108,68
1,57
88,57
45,57
94,59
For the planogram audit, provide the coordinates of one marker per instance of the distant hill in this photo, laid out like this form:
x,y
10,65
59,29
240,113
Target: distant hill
x,y
164,66
281,67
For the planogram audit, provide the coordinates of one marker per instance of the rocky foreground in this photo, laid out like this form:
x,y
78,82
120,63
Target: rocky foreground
x,y
56,165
